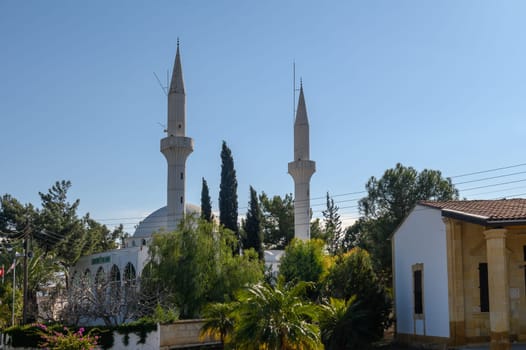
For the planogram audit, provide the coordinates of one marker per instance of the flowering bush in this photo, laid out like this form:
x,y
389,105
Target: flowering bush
x,y
67,339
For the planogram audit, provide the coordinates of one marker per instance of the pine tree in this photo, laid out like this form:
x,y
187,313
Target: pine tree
x,y
277,220
206,203
388,201
253,226
333,226
228,192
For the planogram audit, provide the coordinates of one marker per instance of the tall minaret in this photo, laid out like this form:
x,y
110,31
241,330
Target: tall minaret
x,y
176,147
301,170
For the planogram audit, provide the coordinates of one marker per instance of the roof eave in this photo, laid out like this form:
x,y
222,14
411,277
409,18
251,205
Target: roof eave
x,y
481,220
474,219
500,223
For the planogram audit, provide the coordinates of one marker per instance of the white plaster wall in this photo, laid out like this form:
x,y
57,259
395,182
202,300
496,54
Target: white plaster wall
x,y
120,257
422,239
152,342
272,259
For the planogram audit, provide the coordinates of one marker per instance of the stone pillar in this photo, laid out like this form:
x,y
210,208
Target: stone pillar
x,y
457,325
499,299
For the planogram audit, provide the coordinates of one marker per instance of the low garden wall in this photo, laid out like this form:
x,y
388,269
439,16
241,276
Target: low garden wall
x,y
181,334
178,335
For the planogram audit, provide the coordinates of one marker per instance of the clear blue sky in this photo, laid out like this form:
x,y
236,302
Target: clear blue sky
x,y
430,84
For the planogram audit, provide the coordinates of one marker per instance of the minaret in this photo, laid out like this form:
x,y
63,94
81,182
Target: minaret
x,y
301,170
176,147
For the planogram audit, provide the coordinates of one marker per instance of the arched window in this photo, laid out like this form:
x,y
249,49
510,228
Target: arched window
x,y
130,279
99,277
129,274
87,276
84,286
100,282
115,274
115,284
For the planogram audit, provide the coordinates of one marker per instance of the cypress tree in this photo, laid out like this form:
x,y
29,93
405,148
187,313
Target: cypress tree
x,y
228,191
206,203
252,225
333,226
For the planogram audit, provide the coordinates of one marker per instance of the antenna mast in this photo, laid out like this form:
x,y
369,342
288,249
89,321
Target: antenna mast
x,y
293,90
165,89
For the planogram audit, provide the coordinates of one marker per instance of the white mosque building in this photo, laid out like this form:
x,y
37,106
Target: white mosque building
x,y
127,263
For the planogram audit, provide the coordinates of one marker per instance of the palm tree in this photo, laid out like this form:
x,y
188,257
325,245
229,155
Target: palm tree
x,y
344,325
219,321
276,318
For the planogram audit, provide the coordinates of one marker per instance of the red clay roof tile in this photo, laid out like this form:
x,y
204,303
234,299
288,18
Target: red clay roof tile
x,y
489,210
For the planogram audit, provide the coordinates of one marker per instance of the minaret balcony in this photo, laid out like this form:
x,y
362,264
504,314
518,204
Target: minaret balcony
x,y
302,170
174,147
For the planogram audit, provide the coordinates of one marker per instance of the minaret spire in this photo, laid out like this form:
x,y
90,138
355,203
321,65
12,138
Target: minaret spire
x,y
301,170
301,129
177,83
176,147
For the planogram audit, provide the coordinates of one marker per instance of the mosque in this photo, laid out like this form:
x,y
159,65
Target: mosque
x,y
126,264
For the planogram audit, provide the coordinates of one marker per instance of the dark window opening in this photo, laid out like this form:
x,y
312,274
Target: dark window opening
x,y
417,280
524,266
484,287
181,200
180,126
181,176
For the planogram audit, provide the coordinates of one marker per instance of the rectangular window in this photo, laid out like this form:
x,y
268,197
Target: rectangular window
x,y
417,276
484,287
418,289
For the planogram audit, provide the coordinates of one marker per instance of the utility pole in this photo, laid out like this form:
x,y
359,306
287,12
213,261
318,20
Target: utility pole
x,y
24,312
14,281
17,255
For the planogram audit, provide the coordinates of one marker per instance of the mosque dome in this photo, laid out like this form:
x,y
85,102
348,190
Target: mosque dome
x,y
156,221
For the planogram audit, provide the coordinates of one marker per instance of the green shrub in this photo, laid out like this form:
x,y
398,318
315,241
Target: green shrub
x,y
66,339
353,276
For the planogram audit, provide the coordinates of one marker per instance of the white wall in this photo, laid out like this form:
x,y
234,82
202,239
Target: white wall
x,y
137,256
422,239
152,342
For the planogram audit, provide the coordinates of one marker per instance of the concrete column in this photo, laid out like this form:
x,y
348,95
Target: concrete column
x,y
499,299
457,325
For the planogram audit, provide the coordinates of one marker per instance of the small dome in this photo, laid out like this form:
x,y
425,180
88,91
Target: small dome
x,y
156,221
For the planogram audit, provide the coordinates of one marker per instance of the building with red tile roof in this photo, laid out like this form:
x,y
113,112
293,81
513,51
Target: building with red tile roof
x,y
459,273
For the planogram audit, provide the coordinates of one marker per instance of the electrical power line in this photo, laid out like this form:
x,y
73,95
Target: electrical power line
x,y
489,170
315,203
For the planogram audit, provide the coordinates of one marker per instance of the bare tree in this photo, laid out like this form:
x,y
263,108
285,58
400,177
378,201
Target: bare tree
x,y
109,298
